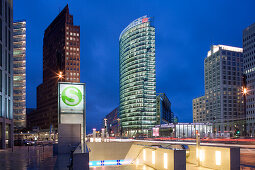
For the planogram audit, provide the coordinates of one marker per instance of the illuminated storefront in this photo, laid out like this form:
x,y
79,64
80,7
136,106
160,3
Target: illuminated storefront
x,y
183,130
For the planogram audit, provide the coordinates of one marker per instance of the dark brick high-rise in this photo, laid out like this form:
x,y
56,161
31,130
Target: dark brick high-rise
x,y
61,55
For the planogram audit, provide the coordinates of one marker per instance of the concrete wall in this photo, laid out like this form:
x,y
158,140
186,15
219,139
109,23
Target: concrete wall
x,y
229,158
108,150
69,137
160,159
176,159
81,161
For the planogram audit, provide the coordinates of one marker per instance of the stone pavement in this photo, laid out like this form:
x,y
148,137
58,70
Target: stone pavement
x,y
27,158
41,157
142,167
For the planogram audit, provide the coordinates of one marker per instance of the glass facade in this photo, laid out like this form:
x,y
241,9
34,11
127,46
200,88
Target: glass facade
x,y
164,113
249,70
19,74
137,77
185,130
6,73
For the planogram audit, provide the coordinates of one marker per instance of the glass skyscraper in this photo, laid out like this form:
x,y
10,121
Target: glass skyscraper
x,y
19,74
164,112
6,74
137,77
249,70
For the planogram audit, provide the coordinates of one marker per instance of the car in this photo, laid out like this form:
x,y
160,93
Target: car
x,y
29,143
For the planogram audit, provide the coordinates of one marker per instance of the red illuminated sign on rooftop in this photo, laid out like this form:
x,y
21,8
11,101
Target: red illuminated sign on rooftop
x,y
145,20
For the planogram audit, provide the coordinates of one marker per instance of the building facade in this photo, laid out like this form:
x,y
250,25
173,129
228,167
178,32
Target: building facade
x,y
19,75
137,77
164,112
6,74
183,130
223,103
249,70
61,62
113,123
199,112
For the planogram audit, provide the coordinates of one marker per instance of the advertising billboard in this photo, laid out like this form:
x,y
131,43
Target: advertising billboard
x,y
71,98
155,132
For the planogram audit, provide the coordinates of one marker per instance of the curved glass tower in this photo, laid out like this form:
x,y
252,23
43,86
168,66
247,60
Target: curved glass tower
x,y
137,77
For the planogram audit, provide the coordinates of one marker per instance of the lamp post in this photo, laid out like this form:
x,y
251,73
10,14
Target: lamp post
x,y
245,92
118,126
244,103
198,147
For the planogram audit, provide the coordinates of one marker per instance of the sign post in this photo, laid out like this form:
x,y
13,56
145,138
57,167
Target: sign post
x,y
72,106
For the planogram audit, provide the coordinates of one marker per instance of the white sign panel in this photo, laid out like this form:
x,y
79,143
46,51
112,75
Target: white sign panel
x,y
71,99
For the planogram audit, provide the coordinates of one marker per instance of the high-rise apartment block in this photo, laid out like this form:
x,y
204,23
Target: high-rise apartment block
x,y
249,70
19,74
222,104
61,62
6,74
137,77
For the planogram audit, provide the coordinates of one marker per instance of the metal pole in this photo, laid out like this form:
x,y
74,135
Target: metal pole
x,y
198,147
244,95
84,121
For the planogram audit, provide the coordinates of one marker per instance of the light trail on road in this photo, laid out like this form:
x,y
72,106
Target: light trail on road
x,y
186,143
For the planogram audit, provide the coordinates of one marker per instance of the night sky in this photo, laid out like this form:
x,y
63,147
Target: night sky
x,y
185,31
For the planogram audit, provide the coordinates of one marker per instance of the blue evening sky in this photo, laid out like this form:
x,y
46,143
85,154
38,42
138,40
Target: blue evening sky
x,y
185,30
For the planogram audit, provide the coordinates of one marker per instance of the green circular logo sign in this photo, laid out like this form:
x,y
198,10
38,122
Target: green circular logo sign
x,y
71,96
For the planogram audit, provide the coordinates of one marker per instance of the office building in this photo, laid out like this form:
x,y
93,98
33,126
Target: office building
x,y
112,121
249,70
222,104
19,75
6,74
199,112
164,112
137,77
61,62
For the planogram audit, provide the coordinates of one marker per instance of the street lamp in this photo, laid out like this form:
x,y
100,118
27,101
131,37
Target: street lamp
x,y
118,126
245,91
60,75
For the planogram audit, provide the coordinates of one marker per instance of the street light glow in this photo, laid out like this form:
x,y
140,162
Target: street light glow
x,y
60,75
244,90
